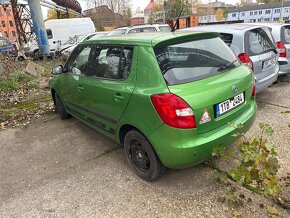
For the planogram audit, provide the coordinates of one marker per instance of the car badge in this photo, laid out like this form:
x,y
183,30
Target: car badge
x,y
234,88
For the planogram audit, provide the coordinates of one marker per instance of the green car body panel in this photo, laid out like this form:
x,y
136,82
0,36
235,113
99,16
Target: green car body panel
x,y
111,114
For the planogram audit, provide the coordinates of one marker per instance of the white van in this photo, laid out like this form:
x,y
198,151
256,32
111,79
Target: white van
x,y
61,31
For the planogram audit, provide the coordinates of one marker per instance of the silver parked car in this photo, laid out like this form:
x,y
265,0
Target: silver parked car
x,y
281,34
255,47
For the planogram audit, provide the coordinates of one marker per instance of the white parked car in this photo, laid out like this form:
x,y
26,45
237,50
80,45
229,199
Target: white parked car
x,y
141,29
60,31
67,50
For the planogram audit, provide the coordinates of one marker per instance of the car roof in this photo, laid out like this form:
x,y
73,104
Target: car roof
x,y
152,39
272,24
227,28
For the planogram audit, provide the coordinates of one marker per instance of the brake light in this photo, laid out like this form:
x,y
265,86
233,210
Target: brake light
x,y
174,111
254,90
282,49
246,60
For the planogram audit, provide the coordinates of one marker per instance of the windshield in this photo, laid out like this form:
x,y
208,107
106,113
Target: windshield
x,y
259,41
117,32
99,35
194,60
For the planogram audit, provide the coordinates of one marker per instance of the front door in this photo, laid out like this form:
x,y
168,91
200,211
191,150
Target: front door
x,y
72,84
109,86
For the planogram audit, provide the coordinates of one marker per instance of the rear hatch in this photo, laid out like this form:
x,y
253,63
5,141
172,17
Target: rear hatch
x,y
285,36
261,47
207,75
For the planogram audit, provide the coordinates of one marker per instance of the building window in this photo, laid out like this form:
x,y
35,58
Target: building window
x,y
287,10
234,15
8,13
3,24
285,18
0,13
243,14
259,20
256,12
13,33
6,34
10,23
251,13
260,12
276,19
277,11
268,12
267,19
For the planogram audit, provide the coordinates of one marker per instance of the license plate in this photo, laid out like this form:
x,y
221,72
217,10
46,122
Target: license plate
x,y
229,104
269,63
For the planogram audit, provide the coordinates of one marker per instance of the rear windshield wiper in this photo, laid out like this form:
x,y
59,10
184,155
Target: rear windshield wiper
x,y
271,49
227,66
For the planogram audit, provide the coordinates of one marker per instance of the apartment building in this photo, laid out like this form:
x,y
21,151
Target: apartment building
x,y
7,23
272,12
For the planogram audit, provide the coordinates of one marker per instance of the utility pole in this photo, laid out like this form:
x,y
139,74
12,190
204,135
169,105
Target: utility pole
x,y
39,27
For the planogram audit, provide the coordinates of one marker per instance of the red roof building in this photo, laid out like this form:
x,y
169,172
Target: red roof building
x,y
149,7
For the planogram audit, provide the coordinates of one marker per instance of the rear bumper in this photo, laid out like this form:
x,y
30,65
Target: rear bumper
x,y
184,148
264,83
284,69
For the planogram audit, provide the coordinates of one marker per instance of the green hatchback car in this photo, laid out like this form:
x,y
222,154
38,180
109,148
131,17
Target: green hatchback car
x,y
168,98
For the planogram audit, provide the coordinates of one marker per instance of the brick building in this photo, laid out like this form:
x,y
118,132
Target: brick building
x,y
104,18
7,24
137,19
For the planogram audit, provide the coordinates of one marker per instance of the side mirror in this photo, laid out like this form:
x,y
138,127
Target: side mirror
x,y
57,70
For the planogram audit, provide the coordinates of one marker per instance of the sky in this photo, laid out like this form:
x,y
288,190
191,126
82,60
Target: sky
x,y
142,4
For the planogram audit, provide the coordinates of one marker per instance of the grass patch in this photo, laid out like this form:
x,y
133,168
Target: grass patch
x,y
26,105
9,85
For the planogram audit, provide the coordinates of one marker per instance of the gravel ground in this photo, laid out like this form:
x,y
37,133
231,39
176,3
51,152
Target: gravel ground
x,y
55,168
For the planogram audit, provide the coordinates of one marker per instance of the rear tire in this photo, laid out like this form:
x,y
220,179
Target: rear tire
x,y
60,109
142,157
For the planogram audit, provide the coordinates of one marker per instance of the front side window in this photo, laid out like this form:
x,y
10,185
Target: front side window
x,y
194,60
79,62
259,41
49,34
112,62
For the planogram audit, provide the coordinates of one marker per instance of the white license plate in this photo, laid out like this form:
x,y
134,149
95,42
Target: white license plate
x,y
229,104
269,63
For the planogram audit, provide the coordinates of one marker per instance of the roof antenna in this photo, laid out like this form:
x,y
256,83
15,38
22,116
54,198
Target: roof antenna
x,y
177,20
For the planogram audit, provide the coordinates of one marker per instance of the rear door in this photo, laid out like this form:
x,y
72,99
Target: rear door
x,y
109,86
207,75
260,46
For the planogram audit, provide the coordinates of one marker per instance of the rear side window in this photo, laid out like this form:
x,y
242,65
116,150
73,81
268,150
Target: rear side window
x,y
259,41
194,60
286,34
145,29
3,42
164,28
227,38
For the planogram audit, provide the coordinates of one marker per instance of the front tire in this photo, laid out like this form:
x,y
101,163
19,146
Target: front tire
x,y
142,157
60,108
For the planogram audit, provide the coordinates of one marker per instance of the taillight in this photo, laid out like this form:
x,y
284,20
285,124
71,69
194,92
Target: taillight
x,y
282,49
174,111
254,90
246,60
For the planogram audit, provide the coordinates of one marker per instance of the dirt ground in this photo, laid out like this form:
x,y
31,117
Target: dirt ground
x,y
55,168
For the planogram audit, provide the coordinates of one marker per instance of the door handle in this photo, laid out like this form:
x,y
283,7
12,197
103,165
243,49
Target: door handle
x,y
119,97
81,88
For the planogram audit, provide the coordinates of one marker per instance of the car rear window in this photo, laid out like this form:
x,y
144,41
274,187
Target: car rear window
x,y
259,41
286,34
117,32
227,38
194,60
